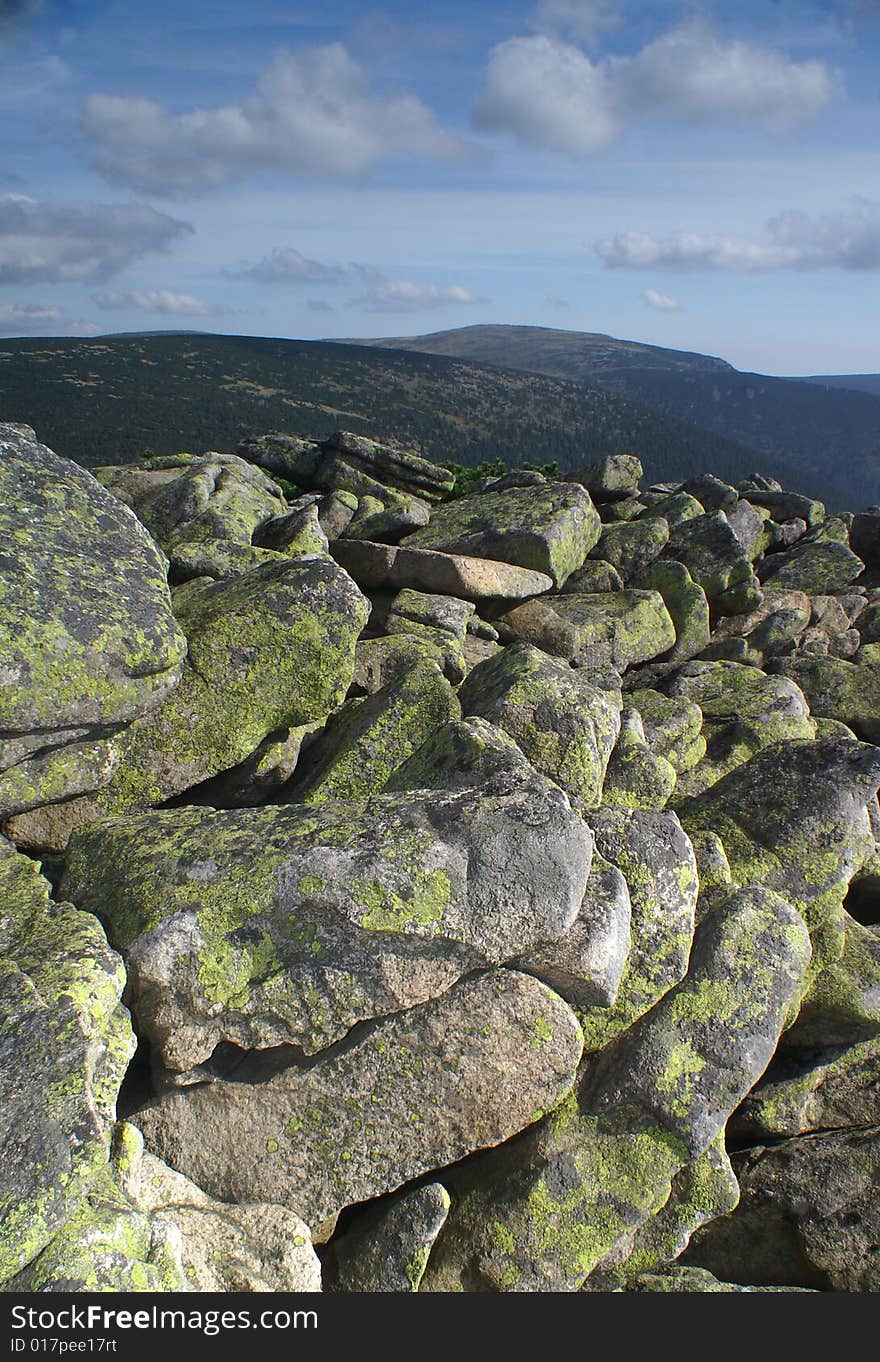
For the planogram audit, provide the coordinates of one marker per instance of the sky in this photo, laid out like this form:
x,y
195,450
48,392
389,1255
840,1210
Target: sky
x,y
688,173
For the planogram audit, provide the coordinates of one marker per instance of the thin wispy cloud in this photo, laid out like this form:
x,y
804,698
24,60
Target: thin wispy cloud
x,y
69,242
797,241
662,302
160,300
313,113
34,319
286,265
548,93
409,295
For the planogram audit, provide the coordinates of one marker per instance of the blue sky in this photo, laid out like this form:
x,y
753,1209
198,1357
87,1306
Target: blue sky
x,y
692,174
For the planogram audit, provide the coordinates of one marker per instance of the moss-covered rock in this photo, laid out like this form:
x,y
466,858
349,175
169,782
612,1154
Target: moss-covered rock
x,y
636,777
66,1042
87,638
672,726
715,560
631,546
814,566
598,630
549,529
289,924
687,606
837,689
565,725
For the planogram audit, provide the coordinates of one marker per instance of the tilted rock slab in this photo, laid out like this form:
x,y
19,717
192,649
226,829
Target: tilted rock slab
x,y
87,638
387,1249
375,566
548,528
420,1090
543,1213
65,1043
598,630
290,924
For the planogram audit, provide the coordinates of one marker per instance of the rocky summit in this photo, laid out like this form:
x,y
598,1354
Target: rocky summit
x,y
408,891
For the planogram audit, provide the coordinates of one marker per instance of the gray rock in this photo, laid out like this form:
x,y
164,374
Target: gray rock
x,y
387,1250
566,726
65,1042
421,1090
602,630
715,560
548,529
87,639
375,566
289,924
611,478
837,689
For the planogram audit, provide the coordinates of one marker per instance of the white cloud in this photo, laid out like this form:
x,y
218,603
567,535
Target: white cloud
x,y
33,319
663,302
68,242
549,93
160,300
313,113
407,295
286,265
849,241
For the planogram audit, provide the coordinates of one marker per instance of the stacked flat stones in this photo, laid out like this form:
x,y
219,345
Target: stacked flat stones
x,y
482,867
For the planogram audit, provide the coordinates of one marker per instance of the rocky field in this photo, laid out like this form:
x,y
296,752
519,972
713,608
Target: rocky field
x,y
402,893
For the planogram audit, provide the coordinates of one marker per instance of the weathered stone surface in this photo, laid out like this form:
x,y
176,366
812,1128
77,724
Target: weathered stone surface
x,y
144,1227
690,1061
294,533
260,777
189,498
657,861
813,566
365,742
808,1216
786,505
585,965
715,560
595,575
389,519
813,1092
65,1042
348,462
636,777
748,525
603,629
743,712
388,1249
543,1213
87,638
463,1071
289,924
611,478
687,606
375,566
672,726
711,492
465,754
794,819
566,726
273,648
548,529
632,545
837,689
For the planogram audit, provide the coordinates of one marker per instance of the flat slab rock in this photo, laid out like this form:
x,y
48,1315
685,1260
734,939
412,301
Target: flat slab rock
x,y
386,566
421,1090
288,924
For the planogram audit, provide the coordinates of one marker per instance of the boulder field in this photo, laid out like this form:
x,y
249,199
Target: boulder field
x,y
403,891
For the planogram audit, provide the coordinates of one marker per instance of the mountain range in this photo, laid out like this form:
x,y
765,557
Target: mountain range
x,y
477,394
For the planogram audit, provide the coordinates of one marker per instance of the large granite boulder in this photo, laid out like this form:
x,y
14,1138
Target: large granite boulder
x,y
289,924
87,638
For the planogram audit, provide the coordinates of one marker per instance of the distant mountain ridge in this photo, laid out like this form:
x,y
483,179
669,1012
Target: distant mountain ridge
x,y
107,399
826,429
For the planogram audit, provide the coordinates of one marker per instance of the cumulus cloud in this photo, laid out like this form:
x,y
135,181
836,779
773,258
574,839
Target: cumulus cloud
x,y
160,300
286,265
313,113
70,242
407,295
549,93
797,241
34,319
663,302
